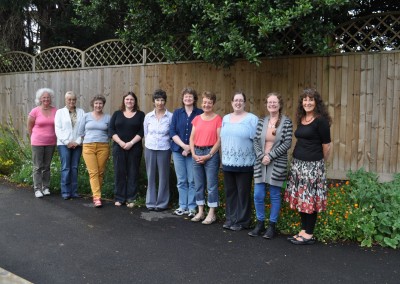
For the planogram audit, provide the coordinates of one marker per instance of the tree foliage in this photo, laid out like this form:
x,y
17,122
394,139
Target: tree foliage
x,y
217,31
221,31
32,25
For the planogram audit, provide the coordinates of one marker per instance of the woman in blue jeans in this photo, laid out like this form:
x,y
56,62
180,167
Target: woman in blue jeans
x,y
69,144
204,146
272,141
181,127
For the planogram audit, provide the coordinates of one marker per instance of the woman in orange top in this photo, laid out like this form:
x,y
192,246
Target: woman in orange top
x,y
204,146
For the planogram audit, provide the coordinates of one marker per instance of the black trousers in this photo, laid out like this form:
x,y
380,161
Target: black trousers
x,y
238,197
126,172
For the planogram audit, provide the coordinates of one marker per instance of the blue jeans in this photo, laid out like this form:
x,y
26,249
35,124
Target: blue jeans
x,y
259,201
69,170
206,175
184,175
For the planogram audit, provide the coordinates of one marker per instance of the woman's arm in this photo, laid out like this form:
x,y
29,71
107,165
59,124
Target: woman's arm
x,y
191,143
258,149
326,149
30,124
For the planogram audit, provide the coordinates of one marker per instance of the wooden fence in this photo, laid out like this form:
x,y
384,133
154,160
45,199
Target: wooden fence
x,y
361,90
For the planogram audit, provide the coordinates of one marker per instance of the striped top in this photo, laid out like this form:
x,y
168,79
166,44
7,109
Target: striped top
x,y
275,172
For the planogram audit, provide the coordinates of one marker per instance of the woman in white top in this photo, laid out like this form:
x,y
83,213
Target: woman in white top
x,y
69,144
157,152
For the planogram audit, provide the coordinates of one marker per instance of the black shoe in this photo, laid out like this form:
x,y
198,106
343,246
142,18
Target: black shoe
x,y
160,209
292,237
236,227
258,230
270,233
303,241
151,208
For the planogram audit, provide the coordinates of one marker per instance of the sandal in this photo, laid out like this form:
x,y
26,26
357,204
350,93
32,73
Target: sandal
x,y
97,202
293,237
198,218
303,241
209,221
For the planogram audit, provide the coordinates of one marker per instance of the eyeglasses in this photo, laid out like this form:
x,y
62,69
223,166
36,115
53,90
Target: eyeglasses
x,y
272,103
238,101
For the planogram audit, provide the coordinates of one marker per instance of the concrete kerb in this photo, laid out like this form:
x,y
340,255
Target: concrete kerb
x,y
7,277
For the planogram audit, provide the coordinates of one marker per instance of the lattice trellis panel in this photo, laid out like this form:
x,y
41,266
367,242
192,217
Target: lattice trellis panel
x,y
370,34
184,48
113,52
378,32
59,58
290,43
16,62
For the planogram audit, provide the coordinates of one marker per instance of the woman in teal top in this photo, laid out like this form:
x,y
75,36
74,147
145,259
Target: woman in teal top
x,y
237,133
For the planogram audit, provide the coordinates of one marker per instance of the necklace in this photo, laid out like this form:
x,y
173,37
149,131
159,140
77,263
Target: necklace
x,y
307,121
272,124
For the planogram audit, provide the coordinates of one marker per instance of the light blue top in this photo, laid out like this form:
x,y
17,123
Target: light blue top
x,y
237,141
94,130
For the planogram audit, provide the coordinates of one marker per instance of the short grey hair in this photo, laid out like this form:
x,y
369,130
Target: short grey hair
x,y
70,94
39,94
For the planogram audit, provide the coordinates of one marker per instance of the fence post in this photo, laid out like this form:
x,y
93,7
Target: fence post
x,y
83,56
144,55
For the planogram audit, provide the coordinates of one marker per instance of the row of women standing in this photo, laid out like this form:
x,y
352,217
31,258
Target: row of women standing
x,y
250,147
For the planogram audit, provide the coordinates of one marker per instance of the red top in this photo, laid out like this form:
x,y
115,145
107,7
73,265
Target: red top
x,y
206,130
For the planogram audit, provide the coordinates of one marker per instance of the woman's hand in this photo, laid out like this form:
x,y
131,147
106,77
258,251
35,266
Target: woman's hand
x,y
266,160
126,145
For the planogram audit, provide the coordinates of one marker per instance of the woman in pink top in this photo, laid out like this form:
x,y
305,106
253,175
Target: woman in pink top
x,y
43,140
204,146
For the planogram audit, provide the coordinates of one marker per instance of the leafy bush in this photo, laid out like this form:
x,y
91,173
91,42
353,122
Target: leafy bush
x,y
13,150
376,217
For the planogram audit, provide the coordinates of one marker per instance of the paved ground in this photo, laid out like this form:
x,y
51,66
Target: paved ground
x,y
50,240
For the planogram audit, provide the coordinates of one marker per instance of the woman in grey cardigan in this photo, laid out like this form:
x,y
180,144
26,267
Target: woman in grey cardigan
x,y
272,141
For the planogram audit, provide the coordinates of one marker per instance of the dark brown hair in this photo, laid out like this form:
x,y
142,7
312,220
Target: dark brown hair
x,y
135,106
320,108
239,93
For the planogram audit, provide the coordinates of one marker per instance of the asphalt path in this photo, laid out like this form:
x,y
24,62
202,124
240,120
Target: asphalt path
x,y
51,240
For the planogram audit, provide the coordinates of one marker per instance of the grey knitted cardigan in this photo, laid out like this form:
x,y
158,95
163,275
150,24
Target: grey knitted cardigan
x,y
275,173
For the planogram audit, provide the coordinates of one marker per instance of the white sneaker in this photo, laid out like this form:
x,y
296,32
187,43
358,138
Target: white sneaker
x,y
46,191
181,211
192,213
38,194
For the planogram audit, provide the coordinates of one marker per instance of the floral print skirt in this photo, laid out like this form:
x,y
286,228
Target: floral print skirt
x,y
307,190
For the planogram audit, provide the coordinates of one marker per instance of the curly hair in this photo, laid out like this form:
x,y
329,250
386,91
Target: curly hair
x,y
39,94
320,108
97,98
